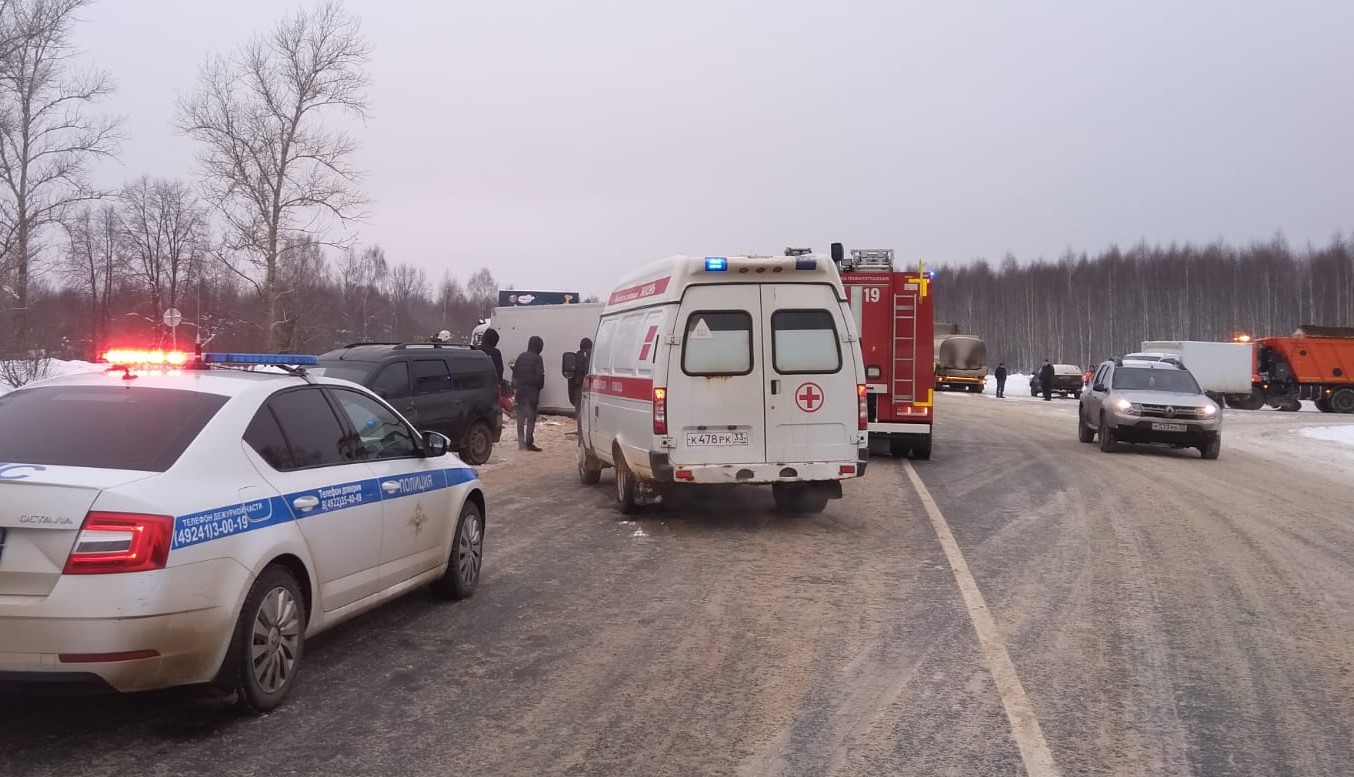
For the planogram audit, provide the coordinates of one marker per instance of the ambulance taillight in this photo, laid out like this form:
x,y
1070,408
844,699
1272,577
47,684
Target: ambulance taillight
x,y
863,403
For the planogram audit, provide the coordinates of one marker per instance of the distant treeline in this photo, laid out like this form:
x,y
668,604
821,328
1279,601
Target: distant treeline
x,y
1082,309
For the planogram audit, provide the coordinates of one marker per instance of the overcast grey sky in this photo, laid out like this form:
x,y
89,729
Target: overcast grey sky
x,y
560,143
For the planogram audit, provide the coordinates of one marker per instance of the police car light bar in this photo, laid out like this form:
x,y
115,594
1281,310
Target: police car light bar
x,y
279,359
137,357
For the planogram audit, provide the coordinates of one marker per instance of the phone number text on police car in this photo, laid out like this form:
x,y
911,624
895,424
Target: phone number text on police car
x,y
191,535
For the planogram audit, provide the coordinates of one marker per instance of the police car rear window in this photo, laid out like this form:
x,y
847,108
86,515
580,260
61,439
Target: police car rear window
x,y
105,427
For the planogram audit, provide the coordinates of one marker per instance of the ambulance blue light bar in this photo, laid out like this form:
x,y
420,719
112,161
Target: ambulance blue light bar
x,y
284,359
806,263
716,263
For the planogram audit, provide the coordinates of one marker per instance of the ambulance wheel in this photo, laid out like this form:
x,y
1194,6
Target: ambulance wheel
x,y
799,498
627,487
269,641
589,468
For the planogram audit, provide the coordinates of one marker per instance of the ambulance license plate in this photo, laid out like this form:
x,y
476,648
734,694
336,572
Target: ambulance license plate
x,y
716,439
1169,427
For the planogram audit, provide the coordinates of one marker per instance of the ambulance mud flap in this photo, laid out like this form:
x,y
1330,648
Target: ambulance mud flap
x,y
661,466
862,459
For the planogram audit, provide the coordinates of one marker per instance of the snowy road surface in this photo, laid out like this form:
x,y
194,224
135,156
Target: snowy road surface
x,y
1022,604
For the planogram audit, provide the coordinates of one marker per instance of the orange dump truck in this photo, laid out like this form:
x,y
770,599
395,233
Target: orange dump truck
x,y
1316,363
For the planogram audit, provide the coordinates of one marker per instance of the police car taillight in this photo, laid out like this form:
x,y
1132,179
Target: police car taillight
x,y
660,411
120,542
863,403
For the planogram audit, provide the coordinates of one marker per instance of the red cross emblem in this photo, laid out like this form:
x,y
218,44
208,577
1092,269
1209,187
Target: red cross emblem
x,y
809,397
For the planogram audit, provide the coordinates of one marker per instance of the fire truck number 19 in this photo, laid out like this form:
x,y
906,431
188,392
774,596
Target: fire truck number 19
x,y
871,293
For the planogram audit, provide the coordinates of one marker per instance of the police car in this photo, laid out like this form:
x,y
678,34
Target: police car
x,y
196,522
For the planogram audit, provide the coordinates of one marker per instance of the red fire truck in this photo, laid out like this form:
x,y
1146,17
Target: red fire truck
x,y
893,311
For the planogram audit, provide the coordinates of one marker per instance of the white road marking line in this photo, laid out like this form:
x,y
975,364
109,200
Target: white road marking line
x,y
1029,737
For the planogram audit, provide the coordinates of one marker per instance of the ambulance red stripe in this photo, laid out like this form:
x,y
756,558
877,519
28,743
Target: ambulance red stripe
x,y
632,293
617,386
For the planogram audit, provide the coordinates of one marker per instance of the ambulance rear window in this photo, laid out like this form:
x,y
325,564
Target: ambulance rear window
x,y
717,342
804,342
104,427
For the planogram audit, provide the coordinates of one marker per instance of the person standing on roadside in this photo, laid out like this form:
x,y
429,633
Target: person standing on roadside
x,y
489,345
1046,373
578,380
1000,375
528,374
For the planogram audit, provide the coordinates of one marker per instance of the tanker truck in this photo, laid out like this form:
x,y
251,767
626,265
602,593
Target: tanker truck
x,y
961,360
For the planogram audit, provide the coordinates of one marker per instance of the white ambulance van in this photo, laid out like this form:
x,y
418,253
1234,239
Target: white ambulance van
x,y
726,370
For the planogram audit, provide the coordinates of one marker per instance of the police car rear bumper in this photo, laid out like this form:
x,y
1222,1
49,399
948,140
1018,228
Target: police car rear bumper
x,y
133,632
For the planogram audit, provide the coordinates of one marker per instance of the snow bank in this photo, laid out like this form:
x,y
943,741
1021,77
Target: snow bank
x,y
1338,434
57,367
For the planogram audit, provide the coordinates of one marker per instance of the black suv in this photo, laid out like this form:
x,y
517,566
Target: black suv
x,y
452,389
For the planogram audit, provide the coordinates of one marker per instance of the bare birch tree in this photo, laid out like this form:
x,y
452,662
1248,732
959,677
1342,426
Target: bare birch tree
x,y
164,236
47,138
92,264
275,172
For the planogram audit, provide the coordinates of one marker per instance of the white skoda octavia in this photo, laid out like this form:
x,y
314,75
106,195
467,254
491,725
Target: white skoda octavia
x,y
163,527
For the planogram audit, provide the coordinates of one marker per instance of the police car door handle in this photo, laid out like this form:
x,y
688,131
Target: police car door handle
x,y
390,486
305,503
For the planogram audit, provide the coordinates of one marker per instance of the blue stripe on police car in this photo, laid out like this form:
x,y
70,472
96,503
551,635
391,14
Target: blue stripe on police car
x,y
230,520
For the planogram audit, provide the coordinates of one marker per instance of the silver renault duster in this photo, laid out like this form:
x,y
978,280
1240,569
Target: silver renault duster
x,y
1136,401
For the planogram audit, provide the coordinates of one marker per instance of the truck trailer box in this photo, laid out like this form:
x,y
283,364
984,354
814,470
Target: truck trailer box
x,y
1220,368
561,327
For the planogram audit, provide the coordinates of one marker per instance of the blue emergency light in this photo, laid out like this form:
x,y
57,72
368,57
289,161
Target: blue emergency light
x,y
716,263
806,263
283,359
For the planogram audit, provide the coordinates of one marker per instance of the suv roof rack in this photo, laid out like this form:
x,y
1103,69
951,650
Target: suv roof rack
x,y
404,346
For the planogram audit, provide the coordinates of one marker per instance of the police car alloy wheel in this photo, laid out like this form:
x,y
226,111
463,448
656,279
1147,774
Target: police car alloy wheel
x,y
269,641
467,556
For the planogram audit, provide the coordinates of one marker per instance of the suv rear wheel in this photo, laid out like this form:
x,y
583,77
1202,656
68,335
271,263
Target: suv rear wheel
x,y
478,444
1084,432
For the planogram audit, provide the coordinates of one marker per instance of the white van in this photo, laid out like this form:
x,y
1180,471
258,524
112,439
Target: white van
x,y
739,369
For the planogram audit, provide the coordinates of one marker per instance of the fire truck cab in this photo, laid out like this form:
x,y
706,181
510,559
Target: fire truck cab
x,y
893,313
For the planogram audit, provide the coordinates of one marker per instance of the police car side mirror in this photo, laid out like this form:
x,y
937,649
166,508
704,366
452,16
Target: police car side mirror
x,y
569,363
435,445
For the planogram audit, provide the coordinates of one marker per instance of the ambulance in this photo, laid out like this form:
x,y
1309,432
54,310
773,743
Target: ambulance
x,y
726,370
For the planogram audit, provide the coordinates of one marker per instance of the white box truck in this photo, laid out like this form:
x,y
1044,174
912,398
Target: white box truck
x,y
561,327
1222,369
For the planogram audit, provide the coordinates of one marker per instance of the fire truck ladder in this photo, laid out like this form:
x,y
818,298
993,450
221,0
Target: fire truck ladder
x,y
905,346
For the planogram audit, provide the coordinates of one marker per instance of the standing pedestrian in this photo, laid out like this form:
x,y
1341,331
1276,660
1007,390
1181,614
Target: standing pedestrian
x,y
578,379
528,373
489,345
1046,373
1000,375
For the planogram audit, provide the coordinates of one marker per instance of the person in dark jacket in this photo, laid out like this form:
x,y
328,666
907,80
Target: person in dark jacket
x,y
1000,375
579,377
1046,373
489,344
528,373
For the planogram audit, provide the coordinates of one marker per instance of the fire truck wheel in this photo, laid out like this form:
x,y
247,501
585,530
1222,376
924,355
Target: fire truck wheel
x,y
1342,401
922,450
898,449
